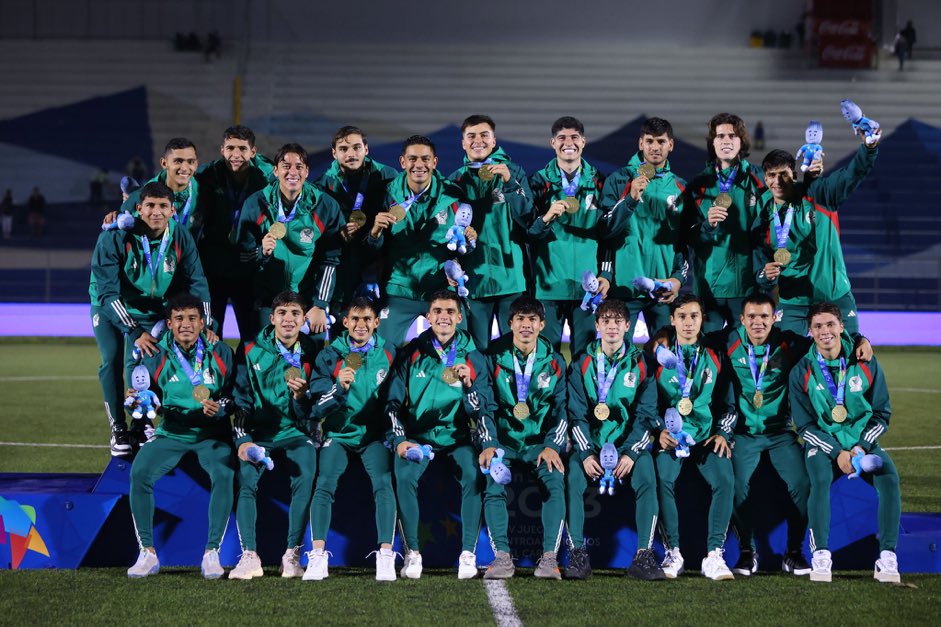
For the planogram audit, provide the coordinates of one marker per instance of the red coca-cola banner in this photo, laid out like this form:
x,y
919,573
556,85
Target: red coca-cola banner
x,y
844,43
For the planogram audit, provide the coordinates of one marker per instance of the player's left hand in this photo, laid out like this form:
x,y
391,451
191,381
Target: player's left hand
x,y
603,286
210,407
845,461
863,350
470,234
816,167
464,374
211,336
317,318
669,297
552,459
720,446
500,169
349,230
862,136
483,460
625,464
298,387
147,344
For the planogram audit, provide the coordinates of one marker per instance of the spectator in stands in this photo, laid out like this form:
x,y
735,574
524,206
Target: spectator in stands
x,y
36,217
909,33
759,136
6,214
193,376
96,187
136,169
900,48
213,46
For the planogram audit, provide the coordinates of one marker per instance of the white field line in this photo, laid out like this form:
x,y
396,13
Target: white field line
x,y
921,390
502,604
48,445
77,377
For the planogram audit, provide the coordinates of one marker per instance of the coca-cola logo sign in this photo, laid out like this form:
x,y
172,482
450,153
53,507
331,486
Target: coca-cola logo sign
x,y
843,28
855,53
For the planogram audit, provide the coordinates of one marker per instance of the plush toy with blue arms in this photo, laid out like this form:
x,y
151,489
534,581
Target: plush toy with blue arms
x,y
258,455
124,222
455,237
665,357
418,453
674,424
455,272
609,460
865,463
592,297
654,289
144,401
812,149
498,470
870,129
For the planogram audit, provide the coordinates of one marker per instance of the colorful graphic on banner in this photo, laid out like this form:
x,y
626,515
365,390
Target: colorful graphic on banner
x,y
19,521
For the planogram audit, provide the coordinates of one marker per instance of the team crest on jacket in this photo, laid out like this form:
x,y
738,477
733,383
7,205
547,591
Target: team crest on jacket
x,y
630,380
542,381
442,216
856,384
307,236
380,376
169,264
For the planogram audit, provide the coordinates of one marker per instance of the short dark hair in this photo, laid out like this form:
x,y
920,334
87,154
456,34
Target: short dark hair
x,y
685,299
738,125
294,148
178,143
527,305
444,295
477,118
182,301
287,297
778,158
614,307
759,298
656,127
418,140
362,302
156,189
824,308
345,131
239,132
567,121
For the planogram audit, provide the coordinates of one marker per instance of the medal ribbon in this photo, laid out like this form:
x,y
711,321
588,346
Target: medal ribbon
x,y
290,216
447,360
686,382
781,232
758,374
605,386
183,216
358,202
570,187
523,377
293,357
365,348
476,165
726,184
154,264
411,200
837,389
194,375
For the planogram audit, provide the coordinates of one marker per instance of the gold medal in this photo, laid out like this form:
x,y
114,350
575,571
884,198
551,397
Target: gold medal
x,y
201,393
449,376
521,411
293,373
602,411
278,230
647,171
398,212
839,413
484,173
723,200
758,399
358,218
354,361
572,204
685,406
782,256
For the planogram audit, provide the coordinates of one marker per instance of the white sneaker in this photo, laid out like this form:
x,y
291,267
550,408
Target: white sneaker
x,y
147,564
411,569
211,568
673,563
317,562
249,566
887,568
820,565
385,565
291,563
715,568
466,565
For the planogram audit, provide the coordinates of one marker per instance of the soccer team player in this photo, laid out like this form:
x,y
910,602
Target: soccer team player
x,y
367,248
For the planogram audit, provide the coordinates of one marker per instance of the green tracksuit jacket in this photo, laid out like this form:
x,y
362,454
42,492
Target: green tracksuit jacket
x,y
353,417
267,410
306,259
195,217
816,271
643,238
547,424
425,409
502,215
182,416
632,400
565,248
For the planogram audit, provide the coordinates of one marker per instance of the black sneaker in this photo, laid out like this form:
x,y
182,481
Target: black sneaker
x,y
645,567
794,562
747,563
579,567
120,443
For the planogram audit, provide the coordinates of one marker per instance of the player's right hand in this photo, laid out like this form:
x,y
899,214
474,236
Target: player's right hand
x,y
716,215
345,377
402,448
268,243
773,270
555,210
383,221
638,185
667,441
592,468
110,217
147,344
244,446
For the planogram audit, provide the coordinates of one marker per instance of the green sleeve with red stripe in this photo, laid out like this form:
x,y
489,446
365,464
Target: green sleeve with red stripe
x,y
106,263
833,189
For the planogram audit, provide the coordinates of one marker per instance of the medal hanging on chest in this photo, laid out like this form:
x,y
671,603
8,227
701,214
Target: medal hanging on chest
x,y
686,378
154,265
449,374
194,374
604,381
523,377
724,198
781,231
758,373
570,189
836,388
293,359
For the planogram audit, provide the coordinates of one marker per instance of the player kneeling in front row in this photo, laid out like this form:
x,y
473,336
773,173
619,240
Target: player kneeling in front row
x,y
612,400
529,425
273,407
438,394
348,387
841,408
194,381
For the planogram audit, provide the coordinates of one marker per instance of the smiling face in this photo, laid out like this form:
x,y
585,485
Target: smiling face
x,y
419,161
655,149
780,180
826,328
291,172
757,320
727,143
526,328
180,164
360,324
478,141
444,316
237,154
350,152
568,144
287,318
186,325
155,213
687,320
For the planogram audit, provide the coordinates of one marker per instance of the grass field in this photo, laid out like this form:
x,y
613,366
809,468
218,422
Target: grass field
x,y
49,395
